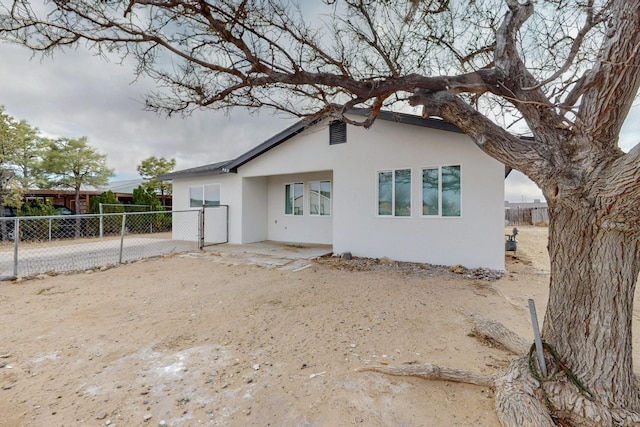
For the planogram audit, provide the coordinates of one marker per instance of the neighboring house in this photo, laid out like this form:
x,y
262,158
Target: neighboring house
x,y
408,188
122,190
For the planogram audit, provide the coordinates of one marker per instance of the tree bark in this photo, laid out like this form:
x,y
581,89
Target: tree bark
x,y
594,270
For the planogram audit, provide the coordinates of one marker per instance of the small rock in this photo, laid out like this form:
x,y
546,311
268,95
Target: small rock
x,y
162,423
256,366
346,256
458,269
102,416
147,417
107,423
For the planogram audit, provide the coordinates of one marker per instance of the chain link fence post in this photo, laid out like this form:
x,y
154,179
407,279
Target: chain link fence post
x,y
101,221
201,229
16,239
124,221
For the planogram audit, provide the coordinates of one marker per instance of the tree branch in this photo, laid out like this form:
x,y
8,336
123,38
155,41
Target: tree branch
x,y
517,153
618,191
614,81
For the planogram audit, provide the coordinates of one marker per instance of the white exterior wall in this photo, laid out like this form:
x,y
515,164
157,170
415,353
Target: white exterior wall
x,y
230,194
297,228
254,210
476,239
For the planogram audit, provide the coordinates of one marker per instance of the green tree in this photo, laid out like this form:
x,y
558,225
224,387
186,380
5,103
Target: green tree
x,y
150,168
10,190
568,71
111,224
72,163
148,197
28,150
106,198
153,222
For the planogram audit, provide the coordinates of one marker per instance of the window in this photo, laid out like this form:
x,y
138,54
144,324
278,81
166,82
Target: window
x,y
394,192
204,195
337,133
441,194
293,199
320,198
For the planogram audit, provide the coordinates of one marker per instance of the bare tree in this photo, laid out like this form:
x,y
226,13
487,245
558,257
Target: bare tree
x,y
568,71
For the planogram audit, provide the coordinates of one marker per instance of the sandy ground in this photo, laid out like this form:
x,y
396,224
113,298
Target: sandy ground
x,y
192,339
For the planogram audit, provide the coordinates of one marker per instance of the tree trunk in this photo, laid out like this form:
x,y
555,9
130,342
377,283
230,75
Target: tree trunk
x,y
588,320
594,270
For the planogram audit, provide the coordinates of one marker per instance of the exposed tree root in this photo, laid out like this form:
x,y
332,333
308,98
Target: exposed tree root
x,y
520,402
519,399
433,372
498,334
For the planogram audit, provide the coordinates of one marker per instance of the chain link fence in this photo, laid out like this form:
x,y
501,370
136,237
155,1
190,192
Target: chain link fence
x,y
46,244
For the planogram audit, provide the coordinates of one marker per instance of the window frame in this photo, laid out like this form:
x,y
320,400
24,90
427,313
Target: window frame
x,y
439,190
320,182
202,188
293,194
393,213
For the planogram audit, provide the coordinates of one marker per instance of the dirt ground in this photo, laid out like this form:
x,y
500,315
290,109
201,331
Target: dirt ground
x,y
191,339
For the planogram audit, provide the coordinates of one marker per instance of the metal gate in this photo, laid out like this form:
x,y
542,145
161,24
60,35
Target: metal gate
x,y
214,226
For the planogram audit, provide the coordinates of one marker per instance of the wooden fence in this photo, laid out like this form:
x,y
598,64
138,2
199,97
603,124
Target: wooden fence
x,y
526,216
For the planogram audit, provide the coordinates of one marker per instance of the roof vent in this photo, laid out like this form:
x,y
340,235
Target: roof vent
x,y
337,133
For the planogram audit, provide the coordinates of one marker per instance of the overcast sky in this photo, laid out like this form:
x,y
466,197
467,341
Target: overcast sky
x,y
76,94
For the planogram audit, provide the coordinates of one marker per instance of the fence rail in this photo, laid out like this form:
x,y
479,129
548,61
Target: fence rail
x,y
35,245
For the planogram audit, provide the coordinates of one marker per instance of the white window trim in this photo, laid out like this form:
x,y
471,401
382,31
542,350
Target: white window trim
x,y
319,182
393,192
439,216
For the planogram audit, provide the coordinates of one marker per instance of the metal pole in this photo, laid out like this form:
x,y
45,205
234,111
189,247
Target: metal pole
x,y
201,230
227,224
16,239
536,336
124,220
101,217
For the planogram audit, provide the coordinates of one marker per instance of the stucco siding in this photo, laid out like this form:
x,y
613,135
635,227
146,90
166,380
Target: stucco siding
x,y
230,194
256,195
254,209
304,228
474,239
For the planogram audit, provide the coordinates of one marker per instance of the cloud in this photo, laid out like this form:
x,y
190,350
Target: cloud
x,y
76,94
519,188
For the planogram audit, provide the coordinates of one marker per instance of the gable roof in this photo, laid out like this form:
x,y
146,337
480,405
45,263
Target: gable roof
x,y
212,169
295,129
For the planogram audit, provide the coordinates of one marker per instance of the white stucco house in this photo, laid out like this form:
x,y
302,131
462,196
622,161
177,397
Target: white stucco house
x,y
408,188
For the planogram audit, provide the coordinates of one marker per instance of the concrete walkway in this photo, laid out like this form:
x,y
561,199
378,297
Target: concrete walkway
x,y
84,255
282,255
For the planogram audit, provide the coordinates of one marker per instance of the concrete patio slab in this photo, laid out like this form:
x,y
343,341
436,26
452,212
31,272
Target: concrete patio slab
x,y
282,255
